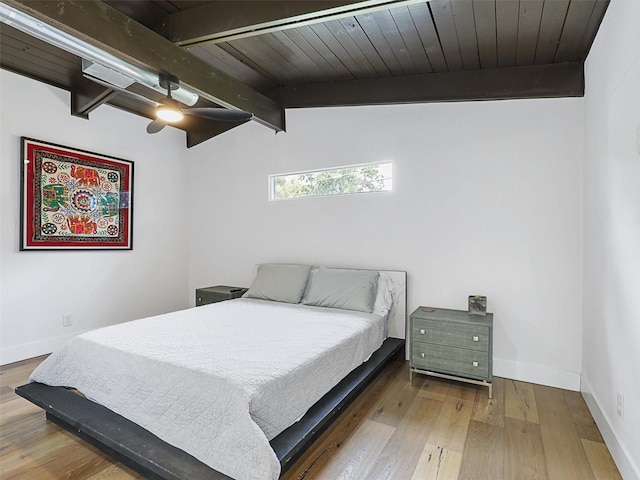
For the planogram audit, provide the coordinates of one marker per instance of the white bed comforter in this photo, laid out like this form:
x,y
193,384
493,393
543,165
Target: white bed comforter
x,y
218,381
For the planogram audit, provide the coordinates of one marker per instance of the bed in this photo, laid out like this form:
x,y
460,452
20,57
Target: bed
x,y
237,389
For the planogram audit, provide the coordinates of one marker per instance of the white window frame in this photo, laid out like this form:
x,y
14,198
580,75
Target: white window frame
x,y
387,187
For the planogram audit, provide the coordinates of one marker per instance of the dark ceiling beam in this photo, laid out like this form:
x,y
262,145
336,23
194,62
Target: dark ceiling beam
x,y
106,28
149,14
225,20
539,81
202,130
88,96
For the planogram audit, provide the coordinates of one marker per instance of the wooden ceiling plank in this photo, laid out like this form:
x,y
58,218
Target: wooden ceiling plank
x,y
296,36
485,15
553,15
507,31
219,21
306,70
234,52
423,21
40,59
14,61
335,47
325,51
530,15
106,28
360,39
264,57
35,47
39,66
464,19
396,41
404,21
533,81
578,16
374,32
296,55
220,59
361,66
446,28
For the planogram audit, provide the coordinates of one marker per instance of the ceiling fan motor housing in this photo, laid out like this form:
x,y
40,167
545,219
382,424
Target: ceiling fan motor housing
x,y
168,81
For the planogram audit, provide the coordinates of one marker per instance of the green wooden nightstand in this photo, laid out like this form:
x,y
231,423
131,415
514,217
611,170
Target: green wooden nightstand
x,y
452,344
219,293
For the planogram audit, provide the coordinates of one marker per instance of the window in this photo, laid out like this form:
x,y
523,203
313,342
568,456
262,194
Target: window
x,y
373,177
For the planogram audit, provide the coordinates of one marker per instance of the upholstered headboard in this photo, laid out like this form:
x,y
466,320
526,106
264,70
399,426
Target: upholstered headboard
x,y
397,281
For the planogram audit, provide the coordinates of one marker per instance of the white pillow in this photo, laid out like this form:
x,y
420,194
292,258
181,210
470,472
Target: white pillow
x,y
279,282
384,298
342,288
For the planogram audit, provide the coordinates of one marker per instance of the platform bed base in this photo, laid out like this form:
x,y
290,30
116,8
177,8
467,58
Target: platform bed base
x,y
142,451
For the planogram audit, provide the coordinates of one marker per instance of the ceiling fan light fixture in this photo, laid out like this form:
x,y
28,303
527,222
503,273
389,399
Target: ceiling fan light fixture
x,y
169,114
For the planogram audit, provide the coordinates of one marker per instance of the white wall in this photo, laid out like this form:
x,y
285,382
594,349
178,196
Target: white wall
x,y
611,350
487,200
96,288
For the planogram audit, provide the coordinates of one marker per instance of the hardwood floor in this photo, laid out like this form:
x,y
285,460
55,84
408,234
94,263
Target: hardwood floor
x,y
431,429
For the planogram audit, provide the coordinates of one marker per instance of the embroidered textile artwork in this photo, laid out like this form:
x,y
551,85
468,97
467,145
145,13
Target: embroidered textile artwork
x,y
74,199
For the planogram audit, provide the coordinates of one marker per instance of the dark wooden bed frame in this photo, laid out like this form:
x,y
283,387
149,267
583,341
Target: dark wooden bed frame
x,y
147,454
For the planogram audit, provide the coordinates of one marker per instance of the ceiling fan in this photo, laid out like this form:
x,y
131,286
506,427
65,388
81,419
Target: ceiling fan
x,y
170,111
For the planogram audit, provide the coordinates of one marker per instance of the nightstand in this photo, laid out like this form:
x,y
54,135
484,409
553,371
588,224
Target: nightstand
x,y
452,344
219,293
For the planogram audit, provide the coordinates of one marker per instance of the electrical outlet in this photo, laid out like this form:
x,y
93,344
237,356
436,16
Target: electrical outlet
x,y
620,405
67,320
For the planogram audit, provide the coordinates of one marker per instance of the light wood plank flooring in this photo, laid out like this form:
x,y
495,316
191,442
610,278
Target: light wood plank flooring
x,y
431,429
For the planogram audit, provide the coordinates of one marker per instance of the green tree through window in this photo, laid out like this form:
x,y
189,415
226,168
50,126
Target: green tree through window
x,y
337,181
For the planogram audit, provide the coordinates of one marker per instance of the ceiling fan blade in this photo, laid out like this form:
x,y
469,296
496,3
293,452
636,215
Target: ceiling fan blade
x,y
222,114
156,126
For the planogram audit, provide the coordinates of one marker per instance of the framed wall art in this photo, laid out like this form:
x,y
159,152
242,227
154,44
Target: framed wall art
x,y
74,199
477,305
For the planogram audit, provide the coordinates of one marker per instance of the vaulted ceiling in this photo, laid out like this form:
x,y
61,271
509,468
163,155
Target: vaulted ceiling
x,y
266,56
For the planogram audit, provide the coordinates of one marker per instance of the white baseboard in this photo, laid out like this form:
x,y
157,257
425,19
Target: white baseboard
x,y
625,463
532,373
33,349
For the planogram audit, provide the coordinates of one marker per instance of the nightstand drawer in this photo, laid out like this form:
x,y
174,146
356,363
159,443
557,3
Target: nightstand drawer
x,y
218,293
455,361
473,337
205,298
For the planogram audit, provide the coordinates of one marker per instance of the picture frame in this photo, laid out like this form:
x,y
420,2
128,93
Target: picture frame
x,y
72,199
477,305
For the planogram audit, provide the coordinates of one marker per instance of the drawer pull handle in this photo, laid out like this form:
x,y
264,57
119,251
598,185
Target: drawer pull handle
x,y
423,331
422,355
476,338
199,299
475,364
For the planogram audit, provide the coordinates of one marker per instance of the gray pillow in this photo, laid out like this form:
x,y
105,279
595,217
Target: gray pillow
x,y
279,282
341,288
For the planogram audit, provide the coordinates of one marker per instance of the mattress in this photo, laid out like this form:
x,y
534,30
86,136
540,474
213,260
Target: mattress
x,y
218,381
